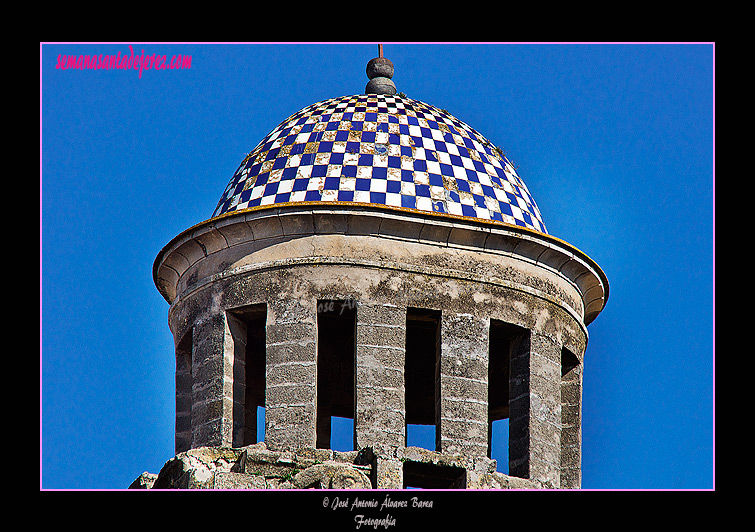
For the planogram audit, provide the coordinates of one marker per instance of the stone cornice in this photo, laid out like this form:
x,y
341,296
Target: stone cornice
x,y
300,220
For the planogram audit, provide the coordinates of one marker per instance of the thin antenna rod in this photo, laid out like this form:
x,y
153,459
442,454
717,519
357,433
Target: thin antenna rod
x,y
380,50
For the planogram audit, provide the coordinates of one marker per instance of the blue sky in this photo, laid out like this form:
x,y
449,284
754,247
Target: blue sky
x,y
614,141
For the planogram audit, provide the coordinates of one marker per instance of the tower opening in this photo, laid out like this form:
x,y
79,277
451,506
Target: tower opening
x,y
336,378
247,330
501,340
433,476
422,378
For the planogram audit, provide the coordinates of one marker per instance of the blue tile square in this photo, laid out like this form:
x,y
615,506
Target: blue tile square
x,y
472,176
352,147
377,197
468,210
349,171
436,180
319,170
345,195
332,183
300,184
408,201
289,173
446,170
422,190
312,195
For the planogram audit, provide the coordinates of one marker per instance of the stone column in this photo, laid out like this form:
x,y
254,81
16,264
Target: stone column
x,y
212,394
535,409
464,385
291,374
184,400
571,431
380,399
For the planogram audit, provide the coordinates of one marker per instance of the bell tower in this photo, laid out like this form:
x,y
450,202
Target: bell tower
x,y
376,261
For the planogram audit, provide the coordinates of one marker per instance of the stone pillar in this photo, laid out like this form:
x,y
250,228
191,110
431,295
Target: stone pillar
x,y
212,388
464,385
380,400
571,421
291,374
184,400
535,409
388,473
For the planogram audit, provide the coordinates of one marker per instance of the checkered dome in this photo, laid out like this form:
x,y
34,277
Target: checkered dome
x,y
382,150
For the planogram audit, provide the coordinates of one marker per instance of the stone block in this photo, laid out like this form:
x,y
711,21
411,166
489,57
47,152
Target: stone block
x,y
226,480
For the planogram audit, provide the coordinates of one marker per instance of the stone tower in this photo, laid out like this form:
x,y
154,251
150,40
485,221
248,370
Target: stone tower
x,y
374,258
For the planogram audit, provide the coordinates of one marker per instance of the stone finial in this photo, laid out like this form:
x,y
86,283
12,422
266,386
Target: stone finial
x,y
380,72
